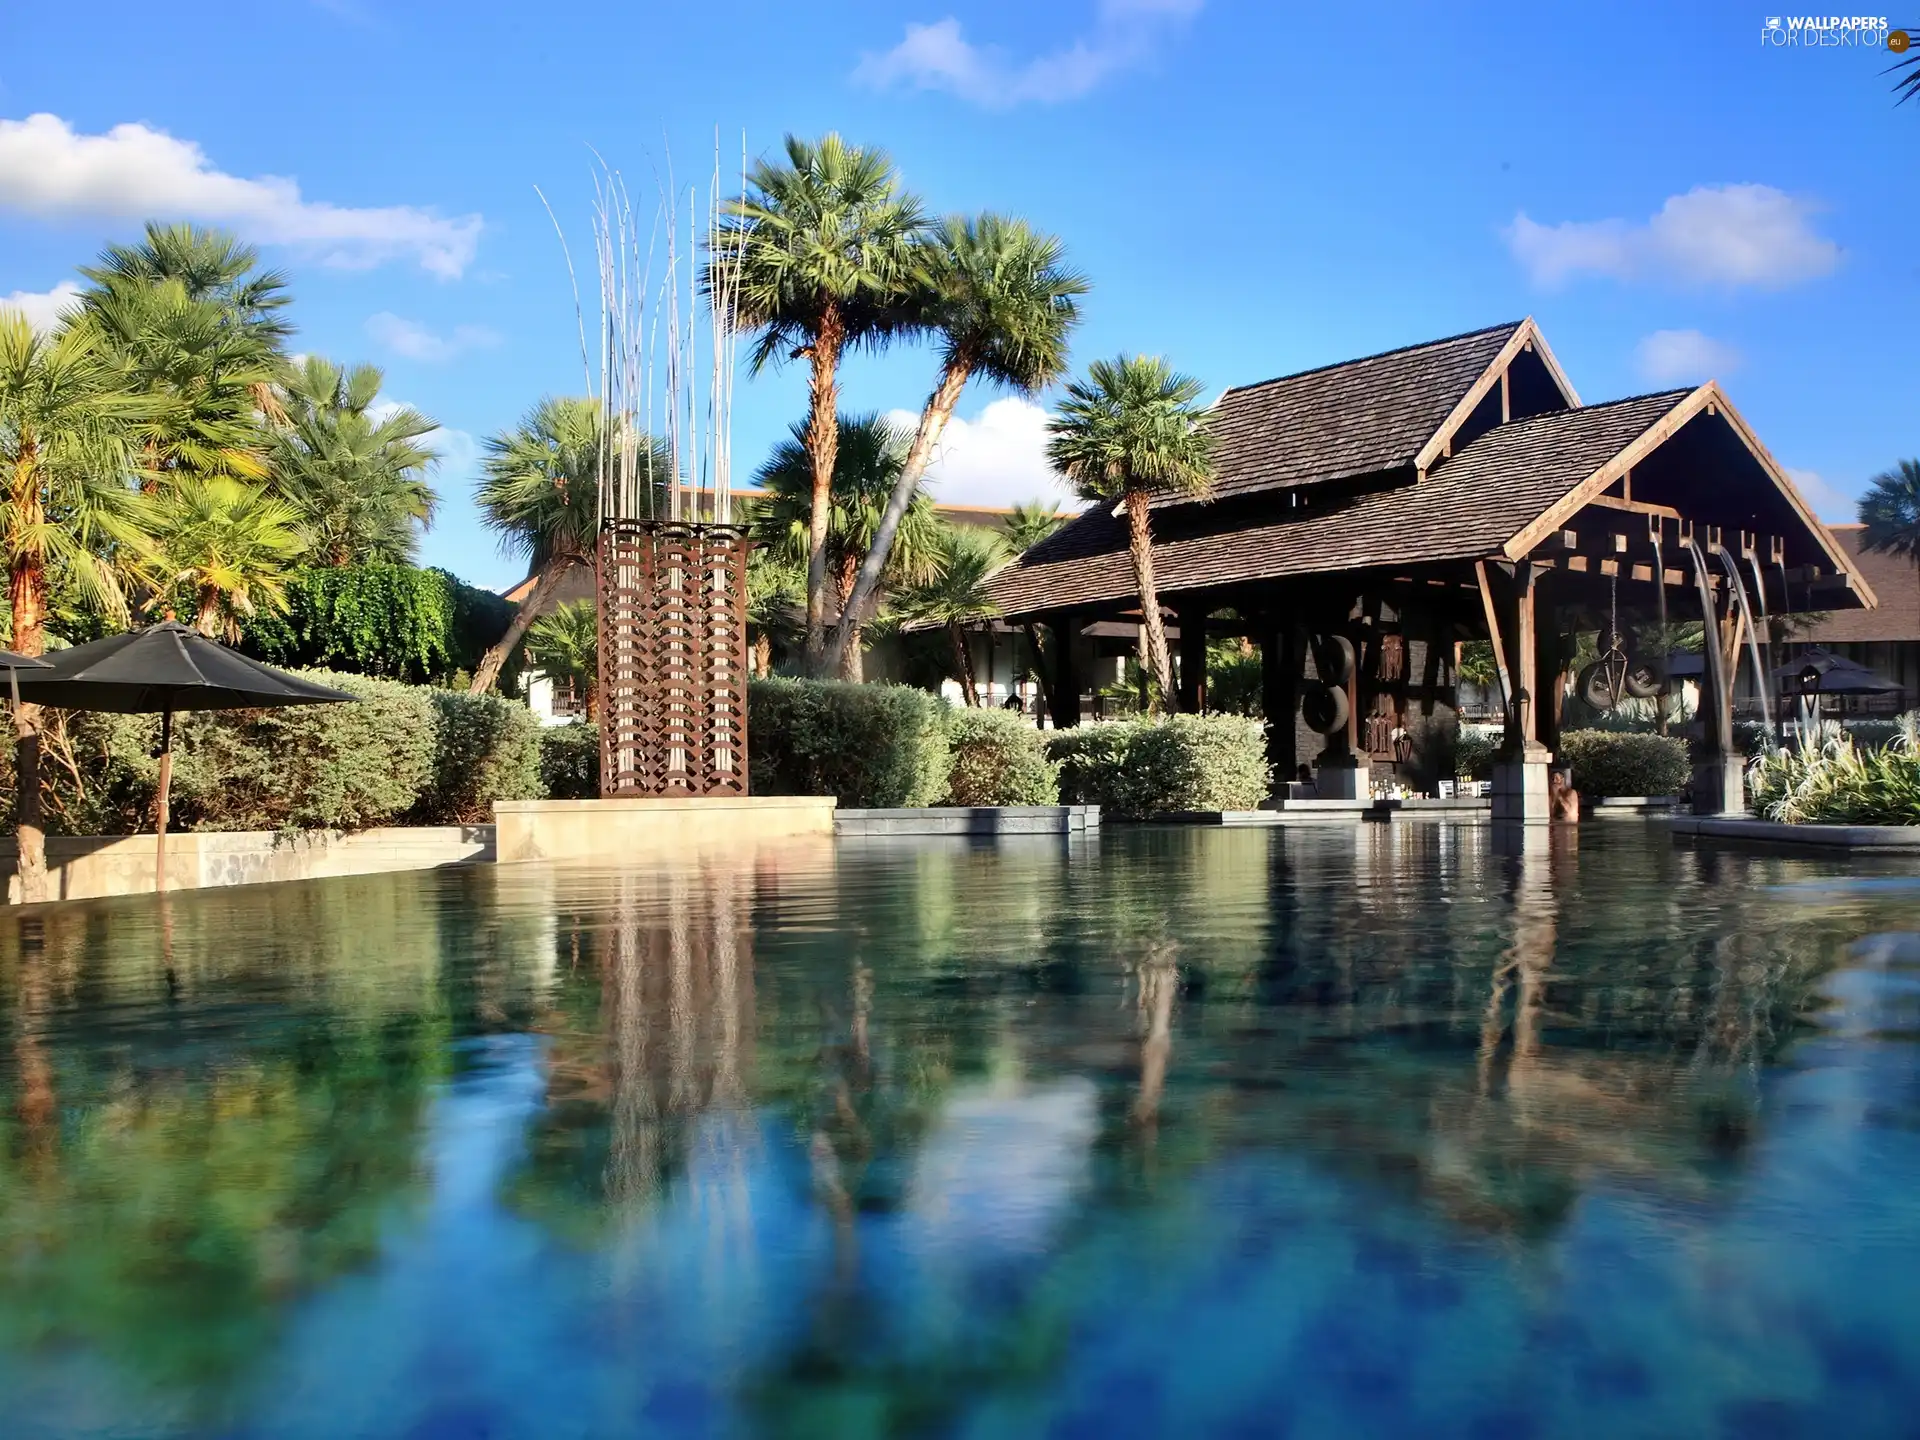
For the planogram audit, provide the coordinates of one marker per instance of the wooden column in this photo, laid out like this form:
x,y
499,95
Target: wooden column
x,y
1066,672
1280,662
1192,683
1547,666
1526,654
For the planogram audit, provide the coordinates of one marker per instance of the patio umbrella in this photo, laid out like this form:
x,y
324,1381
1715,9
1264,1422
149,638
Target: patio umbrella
x,y
161,669
13,664
1838,675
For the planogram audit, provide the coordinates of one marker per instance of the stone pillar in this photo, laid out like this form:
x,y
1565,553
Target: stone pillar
x,y
1192,683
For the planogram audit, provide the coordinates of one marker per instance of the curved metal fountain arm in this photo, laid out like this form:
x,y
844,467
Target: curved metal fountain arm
x,y
1753,635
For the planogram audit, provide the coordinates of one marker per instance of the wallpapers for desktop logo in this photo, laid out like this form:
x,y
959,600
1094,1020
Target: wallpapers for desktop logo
x,y
1865,32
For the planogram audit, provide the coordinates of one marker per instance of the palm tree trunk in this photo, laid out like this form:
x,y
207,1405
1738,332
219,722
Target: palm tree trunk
x,y
823,448
207,622
846,660
933,419
963,664
26,590
1140,548
536,606
762,656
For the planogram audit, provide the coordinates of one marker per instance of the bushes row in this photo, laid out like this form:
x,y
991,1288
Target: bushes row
x,y
402,754
1142,767
1607,763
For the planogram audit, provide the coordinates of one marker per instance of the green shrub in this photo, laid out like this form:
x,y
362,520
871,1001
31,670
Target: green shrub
x,y
486,749
1138,768
1835,782
1607,763
1473,752
570,761
399,622
872,746
998,759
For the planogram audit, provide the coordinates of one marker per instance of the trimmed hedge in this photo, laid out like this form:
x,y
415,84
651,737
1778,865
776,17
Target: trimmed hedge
x,y
998,759
486,749
402,754
570,761
872,746
1134,769
1606,763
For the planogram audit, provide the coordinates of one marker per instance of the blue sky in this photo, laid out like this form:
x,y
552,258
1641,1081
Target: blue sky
x,y
1252,189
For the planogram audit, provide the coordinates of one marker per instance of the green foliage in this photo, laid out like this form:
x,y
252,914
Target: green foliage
x,y
1477,665
486,749
998,759
393,621
226,550
564,646
1890,511
1133,426
873,746
1835,782
1134,769
1027,525
1233,679
1608,763
1473,752
570,761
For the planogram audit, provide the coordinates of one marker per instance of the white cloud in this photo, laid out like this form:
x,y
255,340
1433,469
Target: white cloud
x,y
134,172
940,57
416,342
1729,235
1674,357
997,458
1827,501
42,307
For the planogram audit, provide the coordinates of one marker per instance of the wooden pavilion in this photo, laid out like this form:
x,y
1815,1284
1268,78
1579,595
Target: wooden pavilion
x,y
1368,516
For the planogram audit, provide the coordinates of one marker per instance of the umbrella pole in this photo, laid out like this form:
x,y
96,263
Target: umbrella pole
x,y
160,810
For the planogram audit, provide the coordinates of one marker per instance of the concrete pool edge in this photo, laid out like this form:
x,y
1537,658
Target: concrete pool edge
x,y
1899,838
620,828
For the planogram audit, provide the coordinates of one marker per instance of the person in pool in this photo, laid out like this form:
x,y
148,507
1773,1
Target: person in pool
x,y
1563,801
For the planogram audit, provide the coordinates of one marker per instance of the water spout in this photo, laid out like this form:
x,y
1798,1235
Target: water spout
x,y
1753,637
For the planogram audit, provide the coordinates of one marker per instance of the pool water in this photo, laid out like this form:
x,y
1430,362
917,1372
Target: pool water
x,y
1352,1131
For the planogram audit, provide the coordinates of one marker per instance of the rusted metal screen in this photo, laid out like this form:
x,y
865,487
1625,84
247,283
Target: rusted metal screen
x,y
673,658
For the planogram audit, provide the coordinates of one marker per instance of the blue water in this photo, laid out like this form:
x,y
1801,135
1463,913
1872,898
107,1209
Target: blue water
x,y
1340,1132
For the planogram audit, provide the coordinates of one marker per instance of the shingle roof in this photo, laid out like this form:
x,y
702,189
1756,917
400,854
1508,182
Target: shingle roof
x,y
1468,507
1895,582
1346,420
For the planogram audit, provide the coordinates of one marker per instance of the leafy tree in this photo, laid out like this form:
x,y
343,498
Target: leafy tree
x,y
776,588
1027,525
957,596
208,265
1001,298
70,438
226,551
1890,511
356,476
819,255
539,492
867,461
1127,433
564,646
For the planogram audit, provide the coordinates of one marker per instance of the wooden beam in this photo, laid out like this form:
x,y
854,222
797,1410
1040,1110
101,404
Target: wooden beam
x,y
1634,507
1492,611
1526,336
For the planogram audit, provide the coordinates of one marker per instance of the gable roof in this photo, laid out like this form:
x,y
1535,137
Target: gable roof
x,y
1895,582
1470,507
1360,417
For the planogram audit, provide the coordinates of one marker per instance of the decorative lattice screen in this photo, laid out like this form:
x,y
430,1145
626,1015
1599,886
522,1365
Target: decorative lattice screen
x,y
673,658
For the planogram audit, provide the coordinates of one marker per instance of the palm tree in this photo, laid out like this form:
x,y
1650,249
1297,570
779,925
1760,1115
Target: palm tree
x,y
226,550
1003,301
565,647
1128,432
209,265
355,473
868,457
540,492
819,255
1027,525
1890,511
70,438
958,595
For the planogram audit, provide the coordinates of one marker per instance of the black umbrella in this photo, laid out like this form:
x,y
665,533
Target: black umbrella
x,y
1838,675
164,668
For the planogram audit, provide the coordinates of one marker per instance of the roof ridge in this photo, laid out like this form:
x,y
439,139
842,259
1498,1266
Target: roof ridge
x,y
1510,325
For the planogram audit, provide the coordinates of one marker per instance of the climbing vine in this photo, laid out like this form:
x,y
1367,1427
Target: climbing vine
x,y
395,621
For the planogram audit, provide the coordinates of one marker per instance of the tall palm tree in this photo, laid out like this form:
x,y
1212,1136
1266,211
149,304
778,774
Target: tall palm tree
x,y
957,597
225,550
1027,525
1003,301
1128,432
565,647
1890,511
209,265
868,457
355,473
70,438
819,256
540,493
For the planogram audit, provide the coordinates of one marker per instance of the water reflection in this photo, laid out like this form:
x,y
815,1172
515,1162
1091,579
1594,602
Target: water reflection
x,y
1174,1132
